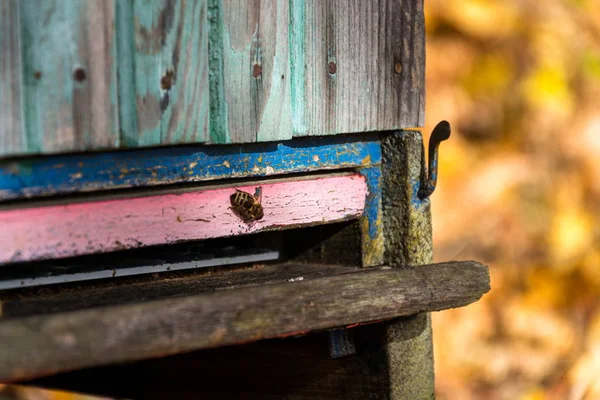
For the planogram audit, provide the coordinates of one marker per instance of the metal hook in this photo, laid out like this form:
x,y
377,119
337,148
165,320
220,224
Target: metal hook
x,y
440,133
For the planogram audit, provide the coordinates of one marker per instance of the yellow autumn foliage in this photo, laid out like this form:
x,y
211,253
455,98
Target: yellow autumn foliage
x,y
523,96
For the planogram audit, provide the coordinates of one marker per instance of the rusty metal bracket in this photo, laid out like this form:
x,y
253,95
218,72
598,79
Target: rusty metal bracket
x,y
440,133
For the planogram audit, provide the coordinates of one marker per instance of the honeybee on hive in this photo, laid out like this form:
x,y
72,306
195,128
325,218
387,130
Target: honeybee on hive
x,y
247,206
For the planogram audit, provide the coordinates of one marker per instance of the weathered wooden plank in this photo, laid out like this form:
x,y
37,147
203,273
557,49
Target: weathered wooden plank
x,y
46,344
66,230
163,84
250,40
12,139
358,65
409,243
33,177
86,295
68,77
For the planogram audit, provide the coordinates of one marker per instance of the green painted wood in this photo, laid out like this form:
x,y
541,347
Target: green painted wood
x,y
67,76
92,75
164,86
251,37
350,66
363,65
11,130
219,126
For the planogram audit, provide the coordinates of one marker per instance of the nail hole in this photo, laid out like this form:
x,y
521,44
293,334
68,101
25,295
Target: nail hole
x,y
398,68
166,82
332,67
282,76
79,74
37,74
256,70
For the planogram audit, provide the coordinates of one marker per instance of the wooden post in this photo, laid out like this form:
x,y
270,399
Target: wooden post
x,y
407,228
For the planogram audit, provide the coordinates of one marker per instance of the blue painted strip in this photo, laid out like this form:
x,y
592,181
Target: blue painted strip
x,y
41,176
372,220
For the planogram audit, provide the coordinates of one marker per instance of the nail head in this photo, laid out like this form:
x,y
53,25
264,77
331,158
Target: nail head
x,y
79,74
332,67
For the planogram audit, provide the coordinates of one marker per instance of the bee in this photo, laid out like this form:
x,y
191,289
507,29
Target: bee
x,y
246,206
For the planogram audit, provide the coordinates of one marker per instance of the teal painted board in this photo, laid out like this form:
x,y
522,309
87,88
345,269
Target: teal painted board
x,y
311,67
357,65
11,131
251,40
81,75
164,93
67,76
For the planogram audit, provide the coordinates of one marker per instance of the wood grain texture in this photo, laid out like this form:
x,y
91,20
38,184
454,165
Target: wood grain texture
x,y
46,344
164,94
86,295
409,243
68,77
12,139
66,230
112,74
346,57
251,41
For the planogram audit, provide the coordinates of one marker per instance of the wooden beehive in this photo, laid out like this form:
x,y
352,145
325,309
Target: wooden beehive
x,y
125,126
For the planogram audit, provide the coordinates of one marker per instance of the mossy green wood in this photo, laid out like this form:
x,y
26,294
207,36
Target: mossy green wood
x,y
62,54
163,75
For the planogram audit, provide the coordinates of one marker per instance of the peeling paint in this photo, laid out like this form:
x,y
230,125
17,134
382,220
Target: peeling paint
x,y
63,230
141,168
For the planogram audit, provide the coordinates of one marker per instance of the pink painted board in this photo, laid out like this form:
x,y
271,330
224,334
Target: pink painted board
x,y
99,226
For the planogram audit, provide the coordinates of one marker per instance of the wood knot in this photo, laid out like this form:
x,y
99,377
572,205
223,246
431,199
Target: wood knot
x,y
398,68
166,82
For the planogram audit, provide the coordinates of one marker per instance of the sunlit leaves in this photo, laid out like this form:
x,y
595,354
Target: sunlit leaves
x,y
519,189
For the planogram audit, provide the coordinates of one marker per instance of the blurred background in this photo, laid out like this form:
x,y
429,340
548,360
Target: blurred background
x,y
519,190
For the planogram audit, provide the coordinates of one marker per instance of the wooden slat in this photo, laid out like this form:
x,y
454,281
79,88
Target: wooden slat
x,y
358,65
251,41
85,295
349,66
46,344
12,139
68,76
163,75
66,230
43,176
